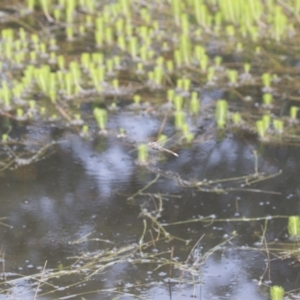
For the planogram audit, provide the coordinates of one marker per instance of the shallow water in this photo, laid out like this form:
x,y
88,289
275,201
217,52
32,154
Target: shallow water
x,y
78,201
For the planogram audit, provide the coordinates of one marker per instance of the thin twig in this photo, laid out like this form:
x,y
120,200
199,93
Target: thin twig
x,y
40,280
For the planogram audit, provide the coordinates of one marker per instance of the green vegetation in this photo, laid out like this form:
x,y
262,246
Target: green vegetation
x,y
125,53
277,292
294,227
165,48
142,154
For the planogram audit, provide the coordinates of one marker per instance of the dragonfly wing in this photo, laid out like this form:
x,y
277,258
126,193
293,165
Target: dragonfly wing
x,y
172,140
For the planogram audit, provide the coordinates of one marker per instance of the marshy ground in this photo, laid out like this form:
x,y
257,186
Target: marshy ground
x,y
89,210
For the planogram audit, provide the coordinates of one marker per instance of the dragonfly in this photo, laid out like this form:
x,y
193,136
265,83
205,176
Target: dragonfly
x,y
158,147
160,144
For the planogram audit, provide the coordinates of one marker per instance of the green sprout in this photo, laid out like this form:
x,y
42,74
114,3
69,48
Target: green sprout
x,y
98,58
165,47
115,84
276,292
143,31
260,127
57,14
218,61
266,79
53,44
188,136
133,47
70,9
179,119
177,58
97,75
85,59
99,38
88,19
194,104
170,66
294,112
61,62
113,107
20,114
121,133
69,84
144,53
8,50
247,68
199,52
18,44
221,113
267,99
279,23
145,15
84,131
170,95
158,75
53,117
137,99
42,110
236,118
185,48
117,61
210,74
99,23
254,33
230,30
100,116
179,84
176,7
43,49
198,33
266,121
185,27
142,154
6,95
201,13
35,40
31,4
128,28
33,56
125,7
4,137
42,76
204,63
69,33
178,102
32,104
294,227
108,35
53,95
120,26
239,47
140,69
233,77
151,76
160,61
186,82
75,71
278,125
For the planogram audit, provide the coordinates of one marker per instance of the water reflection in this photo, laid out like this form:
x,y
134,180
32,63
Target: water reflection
x,y
82,191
